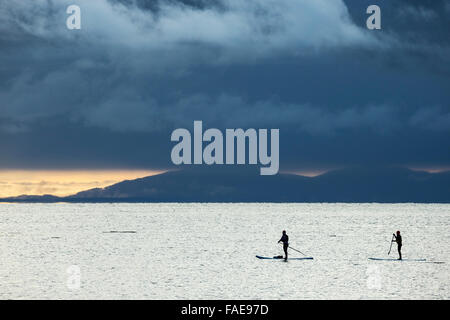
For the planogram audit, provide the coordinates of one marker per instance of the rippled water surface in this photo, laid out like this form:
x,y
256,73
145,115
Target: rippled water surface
x,y
207,251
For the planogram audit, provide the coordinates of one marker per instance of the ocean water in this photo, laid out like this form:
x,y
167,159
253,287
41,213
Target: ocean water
x,y
207,251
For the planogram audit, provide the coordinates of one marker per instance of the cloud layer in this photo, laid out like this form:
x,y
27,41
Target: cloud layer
x,y
139,69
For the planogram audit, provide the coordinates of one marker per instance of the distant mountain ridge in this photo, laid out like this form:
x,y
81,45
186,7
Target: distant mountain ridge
x,y
234,184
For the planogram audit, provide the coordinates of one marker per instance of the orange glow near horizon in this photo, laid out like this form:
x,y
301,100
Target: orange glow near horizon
x,y
430,169
318,172
62,182
310,173
67,182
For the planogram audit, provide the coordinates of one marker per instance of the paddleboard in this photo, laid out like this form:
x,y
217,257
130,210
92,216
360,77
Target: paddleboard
x,y
381,259
278,258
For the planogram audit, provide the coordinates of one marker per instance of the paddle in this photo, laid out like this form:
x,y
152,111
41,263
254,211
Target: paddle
x,y
297,250
391,244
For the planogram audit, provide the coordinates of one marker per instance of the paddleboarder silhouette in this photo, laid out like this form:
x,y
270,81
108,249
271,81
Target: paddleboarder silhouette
x,y
285,240
398,238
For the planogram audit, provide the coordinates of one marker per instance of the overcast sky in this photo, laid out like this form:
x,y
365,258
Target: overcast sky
x,y
110,94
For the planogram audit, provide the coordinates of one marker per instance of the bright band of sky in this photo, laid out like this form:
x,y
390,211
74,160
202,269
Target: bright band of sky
x,y
68,182
62,182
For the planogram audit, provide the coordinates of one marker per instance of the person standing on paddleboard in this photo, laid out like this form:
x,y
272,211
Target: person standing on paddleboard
x,y
398,238
285,240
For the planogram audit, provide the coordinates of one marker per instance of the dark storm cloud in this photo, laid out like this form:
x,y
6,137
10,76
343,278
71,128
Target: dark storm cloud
x,y
110,94
421,29
425,20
